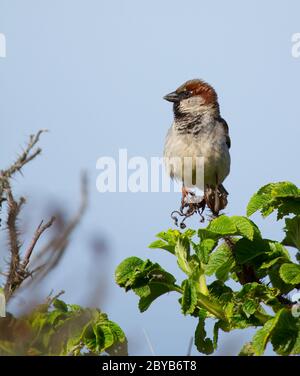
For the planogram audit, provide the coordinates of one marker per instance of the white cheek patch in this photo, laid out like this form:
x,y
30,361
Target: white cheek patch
x,y
192,104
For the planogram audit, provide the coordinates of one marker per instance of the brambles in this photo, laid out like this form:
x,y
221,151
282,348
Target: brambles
x,y
52,328
231,248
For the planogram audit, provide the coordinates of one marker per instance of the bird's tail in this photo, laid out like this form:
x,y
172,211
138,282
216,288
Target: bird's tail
x,y
216,198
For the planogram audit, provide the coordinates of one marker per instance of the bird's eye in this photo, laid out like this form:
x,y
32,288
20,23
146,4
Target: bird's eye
x,y
186,94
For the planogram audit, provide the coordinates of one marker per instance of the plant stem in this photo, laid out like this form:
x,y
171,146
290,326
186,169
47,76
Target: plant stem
x,y
178,289
212,307
202,281
205,302
262,317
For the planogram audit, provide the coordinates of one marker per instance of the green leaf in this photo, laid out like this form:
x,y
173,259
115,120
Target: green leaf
x,y
246,250
281,330
203,344
249,307
282,196
194,265
222,225
189,233
290,273
254,290
284,189
287,206
101,334
277,281
182,252
60,305
257,202
170,236
217,326
285,333
152,291
125,273
277,249
168,239
189,297
292,232
246,227
119,346
160,244
103,337
88,337
262,336
220,262
148,280
204,233
270,263
204,249
220,291
117,332
296,348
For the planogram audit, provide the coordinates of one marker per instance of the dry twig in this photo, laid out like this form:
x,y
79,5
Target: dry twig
x,y
52,252
41,228
18,269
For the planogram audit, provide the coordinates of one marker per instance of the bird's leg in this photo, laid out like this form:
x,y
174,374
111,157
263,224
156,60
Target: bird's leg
x,y
210,200
185,193
217,198
184,199
188,207
217,201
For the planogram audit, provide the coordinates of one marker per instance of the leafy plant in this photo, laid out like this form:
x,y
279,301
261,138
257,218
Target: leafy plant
x,y
57,328
231,248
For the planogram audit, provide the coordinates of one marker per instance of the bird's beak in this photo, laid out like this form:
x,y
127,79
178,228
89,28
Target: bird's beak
x,y
172,97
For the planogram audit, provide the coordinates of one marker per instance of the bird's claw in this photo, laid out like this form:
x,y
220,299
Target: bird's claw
x,y
192,205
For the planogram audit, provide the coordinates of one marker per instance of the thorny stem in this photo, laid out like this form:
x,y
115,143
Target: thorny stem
x,y
24,158
41,228
204,302
17,271
212,307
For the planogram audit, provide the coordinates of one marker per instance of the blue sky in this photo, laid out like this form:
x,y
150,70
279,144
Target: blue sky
x,y
94,74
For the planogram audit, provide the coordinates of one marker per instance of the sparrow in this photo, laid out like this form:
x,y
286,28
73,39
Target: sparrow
x,y
198,130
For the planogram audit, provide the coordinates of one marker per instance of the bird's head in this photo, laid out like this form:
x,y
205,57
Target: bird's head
x,y
193,98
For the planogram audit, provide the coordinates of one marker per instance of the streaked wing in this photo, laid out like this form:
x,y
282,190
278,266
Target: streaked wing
x,y
226,131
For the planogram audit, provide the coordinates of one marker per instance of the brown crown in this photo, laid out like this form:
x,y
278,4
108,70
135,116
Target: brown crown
x,y
199,87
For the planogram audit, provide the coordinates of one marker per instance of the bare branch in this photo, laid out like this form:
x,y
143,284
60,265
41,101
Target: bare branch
x,y
14,208
17,270
41,228
50,298
53,251
25,157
